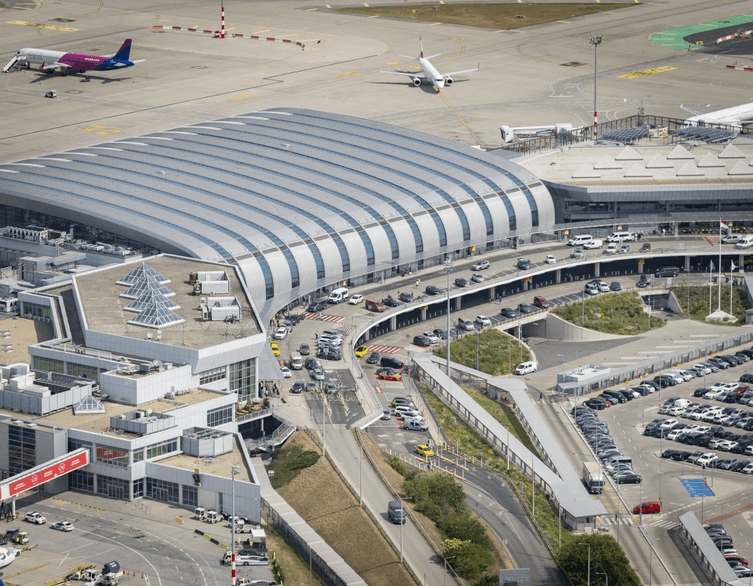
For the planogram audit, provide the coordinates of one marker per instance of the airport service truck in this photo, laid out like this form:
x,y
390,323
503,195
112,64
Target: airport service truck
x,y
593,477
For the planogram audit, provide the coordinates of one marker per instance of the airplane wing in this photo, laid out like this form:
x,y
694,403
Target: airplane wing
x,y
416,75
54,66
459,72
693,112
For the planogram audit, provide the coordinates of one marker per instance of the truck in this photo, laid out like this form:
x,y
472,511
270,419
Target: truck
x,y
593,477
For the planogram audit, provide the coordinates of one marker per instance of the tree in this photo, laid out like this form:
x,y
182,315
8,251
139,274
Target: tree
x,y
470,559
435,495
606,557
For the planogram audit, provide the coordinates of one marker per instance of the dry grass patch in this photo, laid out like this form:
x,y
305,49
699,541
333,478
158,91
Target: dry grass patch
x,y
496,16
324,501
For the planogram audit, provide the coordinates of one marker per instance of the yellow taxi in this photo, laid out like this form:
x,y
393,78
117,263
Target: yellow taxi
x,y
362,351
424,450
275,348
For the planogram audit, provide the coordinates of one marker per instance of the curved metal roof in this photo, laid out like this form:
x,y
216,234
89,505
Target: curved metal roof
x,y
300,199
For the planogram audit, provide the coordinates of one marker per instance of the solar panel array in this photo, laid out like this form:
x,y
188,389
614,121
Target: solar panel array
x,y
627,135
704,133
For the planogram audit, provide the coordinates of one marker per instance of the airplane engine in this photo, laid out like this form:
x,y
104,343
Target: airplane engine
x,y
416,81
448,81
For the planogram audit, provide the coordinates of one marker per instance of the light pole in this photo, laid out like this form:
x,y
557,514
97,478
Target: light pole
x,y
606,577
451,557
595,41
588,576
234,472
448,267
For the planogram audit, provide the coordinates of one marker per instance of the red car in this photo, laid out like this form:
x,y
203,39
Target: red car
x,y
540,301
647,508
389,375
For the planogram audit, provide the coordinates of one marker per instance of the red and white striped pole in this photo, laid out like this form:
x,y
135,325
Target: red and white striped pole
x,y
223,36
595,41
233,572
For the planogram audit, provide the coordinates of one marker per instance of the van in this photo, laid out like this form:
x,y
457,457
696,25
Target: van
x,y
466,324
395,512
246,557
296,361
664,272
623,237
317,305
338,295
374,305
617,460
579,240
745,242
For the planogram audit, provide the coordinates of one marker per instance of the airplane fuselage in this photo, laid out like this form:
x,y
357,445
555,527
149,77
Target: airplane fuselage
x,y
431,73
51,61
734,116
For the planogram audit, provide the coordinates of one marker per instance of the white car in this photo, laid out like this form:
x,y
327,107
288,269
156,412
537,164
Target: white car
x,y
280,333
63,526
603,287
285,372
591,289
706,459
550,260
483,320
480,265
525,368
593,244
432,337
612,248
34,517
355,300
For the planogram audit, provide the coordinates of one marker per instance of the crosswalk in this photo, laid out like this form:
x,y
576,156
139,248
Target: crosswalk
x,y
325,317
384,349
635,520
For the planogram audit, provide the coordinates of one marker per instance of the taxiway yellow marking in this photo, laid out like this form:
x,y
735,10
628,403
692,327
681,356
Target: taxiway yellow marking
x,y
240,96
42,25
636,74
346,74
100,129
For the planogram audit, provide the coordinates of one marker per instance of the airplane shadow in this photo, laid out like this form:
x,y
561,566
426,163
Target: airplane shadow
x,y
83,78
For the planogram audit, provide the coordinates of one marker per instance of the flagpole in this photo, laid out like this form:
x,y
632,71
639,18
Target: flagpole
x,y
720,265
731,271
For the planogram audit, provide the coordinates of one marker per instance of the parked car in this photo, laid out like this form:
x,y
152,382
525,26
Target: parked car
x,y
550,260
615,286
373,358
297,387
540,301
422,341
508,312
34,517
577,254
361,351
424,450
525,308
433,290
480,265
524,264
355,299
483,320
647,508
389,374
525,367
478,278
643,282
461,282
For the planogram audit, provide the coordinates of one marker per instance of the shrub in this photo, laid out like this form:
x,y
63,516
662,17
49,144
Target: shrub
x,y
400,467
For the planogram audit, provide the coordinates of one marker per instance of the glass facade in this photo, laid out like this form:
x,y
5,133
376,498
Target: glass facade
x,y
163,491
214,374
161,449
22,449
243,379
83,371
113,487
48,364
190,496
219,416
112,456
81,480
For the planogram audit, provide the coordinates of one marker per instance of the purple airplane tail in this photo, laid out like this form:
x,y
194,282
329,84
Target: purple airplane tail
x,y
124,53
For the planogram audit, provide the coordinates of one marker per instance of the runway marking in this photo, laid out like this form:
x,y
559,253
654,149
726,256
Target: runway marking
x,y
67,29
654,71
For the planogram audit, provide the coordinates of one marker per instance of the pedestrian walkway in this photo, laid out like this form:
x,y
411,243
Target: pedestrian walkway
x,y
325,317
384,349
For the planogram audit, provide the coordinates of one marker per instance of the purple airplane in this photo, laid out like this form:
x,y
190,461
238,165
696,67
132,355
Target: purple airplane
x,y
51,61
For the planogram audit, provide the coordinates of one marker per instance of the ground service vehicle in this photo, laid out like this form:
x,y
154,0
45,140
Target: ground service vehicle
x,y
593,477
374,305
